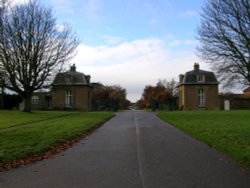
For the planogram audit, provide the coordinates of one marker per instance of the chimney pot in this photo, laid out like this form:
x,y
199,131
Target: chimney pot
x,y
196,66
73,68
181,77
88,78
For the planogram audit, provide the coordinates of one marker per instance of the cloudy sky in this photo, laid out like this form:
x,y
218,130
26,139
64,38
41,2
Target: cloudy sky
x,y
132,43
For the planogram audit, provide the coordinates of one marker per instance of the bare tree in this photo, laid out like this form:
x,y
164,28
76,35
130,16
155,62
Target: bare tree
x,y
171,86
2,86
162,95
3,5
109,97
32,48
224,36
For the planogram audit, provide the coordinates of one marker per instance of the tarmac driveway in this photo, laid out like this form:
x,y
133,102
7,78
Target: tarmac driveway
x,y
135,149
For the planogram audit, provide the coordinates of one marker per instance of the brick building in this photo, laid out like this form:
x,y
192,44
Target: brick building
x,y
247,91
230,101
41,100
198,89
71,90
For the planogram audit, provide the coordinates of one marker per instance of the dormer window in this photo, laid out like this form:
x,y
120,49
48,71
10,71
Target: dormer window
x,y
68,79
200,78
34,100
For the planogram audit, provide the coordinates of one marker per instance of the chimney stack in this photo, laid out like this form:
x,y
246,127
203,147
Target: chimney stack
x,y
73,68
181,77
196,66
88,78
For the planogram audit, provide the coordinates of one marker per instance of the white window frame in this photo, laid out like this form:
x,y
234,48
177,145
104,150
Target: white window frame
x,y
200,78
34,100
201,98
68,79
68,98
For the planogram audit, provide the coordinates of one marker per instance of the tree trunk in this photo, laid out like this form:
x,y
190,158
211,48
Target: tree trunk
x,y
2,98
27,104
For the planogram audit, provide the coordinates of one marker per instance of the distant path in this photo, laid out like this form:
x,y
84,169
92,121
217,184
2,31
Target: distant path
x,y
135,149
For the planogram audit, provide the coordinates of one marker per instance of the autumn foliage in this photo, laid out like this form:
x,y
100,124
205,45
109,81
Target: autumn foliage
x,y
109,97
161,96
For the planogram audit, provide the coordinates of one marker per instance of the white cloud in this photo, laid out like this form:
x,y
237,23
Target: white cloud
x,y
134,64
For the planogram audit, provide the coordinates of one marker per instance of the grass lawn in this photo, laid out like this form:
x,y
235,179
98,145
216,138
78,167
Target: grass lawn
x,y
38,136
9,118
227,131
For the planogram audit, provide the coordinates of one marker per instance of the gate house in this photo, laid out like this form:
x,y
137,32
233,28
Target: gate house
x,y
198,89
71,90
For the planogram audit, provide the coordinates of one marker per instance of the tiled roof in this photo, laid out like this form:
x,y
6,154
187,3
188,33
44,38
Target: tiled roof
x,y
192,77
247,89
71,77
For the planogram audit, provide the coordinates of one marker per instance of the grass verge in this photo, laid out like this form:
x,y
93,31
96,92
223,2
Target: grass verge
x,y
9,118
227,131
40,136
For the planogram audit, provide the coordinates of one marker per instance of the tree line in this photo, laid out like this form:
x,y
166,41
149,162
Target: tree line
x,y
161,96
109,97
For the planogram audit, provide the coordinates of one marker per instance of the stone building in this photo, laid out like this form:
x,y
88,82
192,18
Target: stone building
x,y
198,89
71,90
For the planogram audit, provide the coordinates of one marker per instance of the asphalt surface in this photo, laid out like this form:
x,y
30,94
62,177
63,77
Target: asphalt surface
x,y
135,149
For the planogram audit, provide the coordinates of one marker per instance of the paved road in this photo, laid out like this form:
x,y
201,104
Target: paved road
x,y
133,150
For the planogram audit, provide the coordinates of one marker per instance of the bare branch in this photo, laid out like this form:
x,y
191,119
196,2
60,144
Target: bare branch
x,y
32,48
224,35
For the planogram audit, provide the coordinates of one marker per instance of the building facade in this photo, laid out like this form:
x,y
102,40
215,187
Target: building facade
x,y
230,101
41,100
247,91
198,89
71,90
